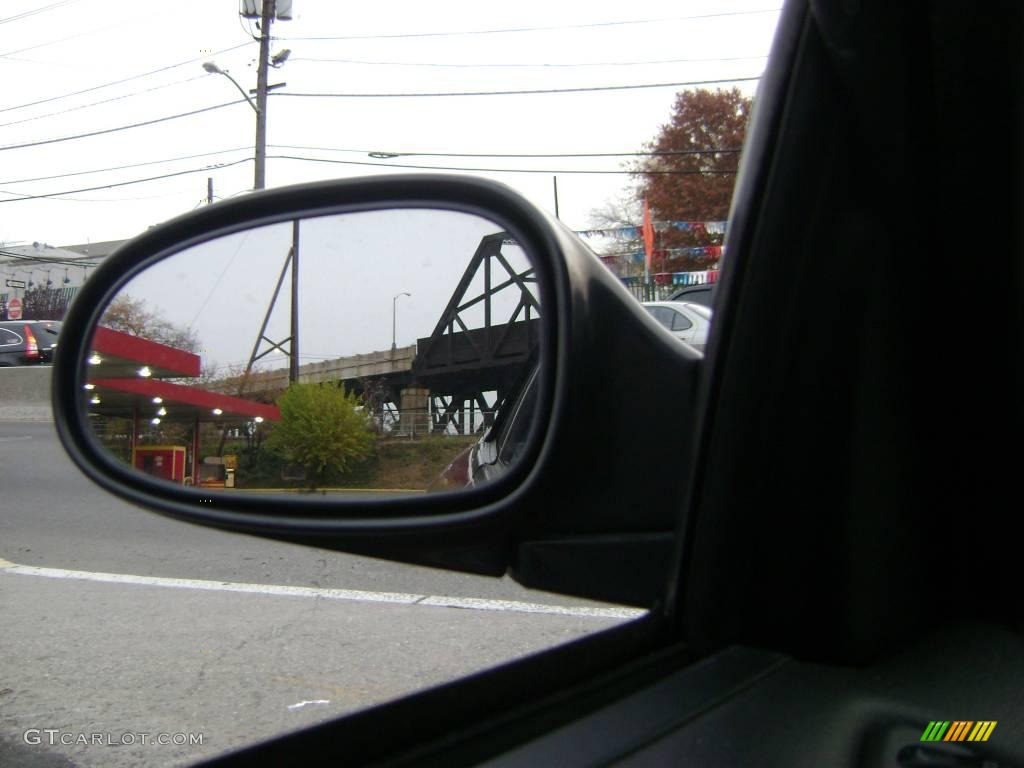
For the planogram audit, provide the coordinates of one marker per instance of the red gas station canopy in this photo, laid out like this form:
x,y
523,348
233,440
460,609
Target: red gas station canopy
x,y
121,355
179,400
124,380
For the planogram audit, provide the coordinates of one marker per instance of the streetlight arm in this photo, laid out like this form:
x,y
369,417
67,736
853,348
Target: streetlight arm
x,y
214,69
242,91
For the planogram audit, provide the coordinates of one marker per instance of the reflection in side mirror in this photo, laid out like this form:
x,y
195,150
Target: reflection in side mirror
x,y
389,351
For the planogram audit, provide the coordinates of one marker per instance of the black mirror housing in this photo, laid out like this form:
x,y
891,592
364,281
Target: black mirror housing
x,y
594,383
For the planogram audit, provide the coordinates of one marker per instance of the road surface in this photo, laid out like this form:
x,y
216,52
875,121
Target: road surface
x,y
123,627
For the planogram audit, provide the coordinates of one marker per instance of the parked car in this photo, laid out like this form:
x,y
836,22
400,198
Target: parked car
x,y
501,445
703,293
819,518
687,321
28,342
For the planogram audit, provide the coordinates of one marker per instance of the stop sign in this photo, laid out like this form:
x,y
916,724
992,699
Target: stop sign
x,y
14,309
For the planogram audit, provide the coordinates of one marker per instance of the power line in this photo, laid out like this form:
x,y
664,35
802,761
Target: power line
x,y
9,54
118,82
238,249
120,127
84,33
247,29
526,66
539,29
103,101
132,199
18,197
123,167
33,12
47,260
279,94
123,183
667,153
497,170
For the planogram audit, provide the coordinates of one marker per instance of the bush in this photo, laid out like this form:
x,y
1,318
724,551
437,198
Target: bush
x,y
323,428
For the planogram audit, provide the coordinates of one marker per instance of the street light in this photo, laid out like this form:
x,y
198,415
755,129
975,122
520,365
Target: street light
x,y
259,106
393,302
213,69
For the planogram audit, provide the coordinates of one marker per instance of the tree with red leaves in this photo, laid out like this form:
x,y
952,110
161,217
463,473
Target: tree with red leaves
x,y
700,148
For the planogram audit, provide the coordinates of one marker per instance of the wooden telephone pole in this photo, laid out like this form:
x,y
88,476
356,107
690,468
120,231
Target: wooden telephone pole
x,y
266,19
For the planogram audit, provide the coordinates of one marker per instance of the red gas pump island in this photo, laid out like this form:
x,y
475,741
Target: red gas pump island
x,y
164,461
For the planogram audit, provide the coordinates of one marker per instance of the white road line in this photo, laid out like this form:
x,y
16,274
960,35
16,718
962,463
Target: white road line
x,y
481,604
302,704
401,598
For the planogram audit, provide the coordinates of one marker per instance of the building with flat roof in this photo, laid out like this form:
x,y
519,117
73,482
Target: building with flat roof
x,y
48,277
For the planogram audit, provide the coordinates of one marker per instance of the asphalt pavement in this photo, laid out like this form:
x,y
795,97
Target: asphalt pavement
x,y
52,515
123,627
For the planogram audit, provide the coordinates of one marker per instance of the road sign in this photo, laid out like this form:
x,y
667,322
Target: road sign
x,y
15,283
14,309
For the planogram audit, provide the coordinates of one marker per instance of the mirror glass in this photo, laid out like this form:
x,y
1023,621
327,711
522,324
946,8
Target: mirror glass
x,y
359,354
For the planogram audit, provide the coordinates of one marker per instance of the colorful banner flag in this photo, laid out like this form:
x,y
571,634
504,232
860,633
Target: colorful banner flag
x,y
631,233
648,234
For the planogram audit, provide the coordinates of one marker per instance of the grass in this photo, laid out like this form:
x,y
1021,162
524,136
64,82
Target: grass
x,y
399,464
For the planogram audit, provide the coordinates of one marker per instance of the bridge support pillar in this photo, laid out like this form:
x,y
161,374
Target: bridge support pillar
x,y
414,410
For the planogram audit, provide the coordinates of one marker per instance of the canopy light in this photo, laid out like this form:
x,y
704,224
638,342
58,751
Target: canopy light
x,y
154,421
88,386
162,412
95,400
158,400
217,411
258,419
145,372
95,359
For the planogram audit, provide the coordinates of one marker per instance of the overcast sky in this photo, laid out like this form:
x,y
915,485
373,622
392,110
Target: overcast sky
x,y
221,289
52,48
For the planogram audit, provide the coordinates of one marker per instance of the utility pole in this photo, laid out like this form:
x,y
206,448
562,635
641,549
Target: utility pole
x,y
209,190
266,19
293,348
555,180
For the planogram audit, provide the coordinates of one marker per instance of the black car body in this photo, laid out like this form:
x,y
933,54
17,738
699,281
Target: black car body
x,y
28,342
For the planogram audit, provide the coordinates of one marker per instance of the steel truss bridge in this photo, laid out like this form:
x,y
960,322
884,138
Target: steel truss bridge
x,y
454,379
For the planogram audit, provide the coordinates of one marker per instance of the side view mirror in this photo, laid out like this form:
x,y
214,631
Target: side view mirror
x,y
267,360
404,366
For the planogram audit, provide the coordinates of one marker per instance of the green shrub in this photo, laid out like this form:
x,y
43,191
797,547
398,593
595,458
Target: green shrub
x,y
324,429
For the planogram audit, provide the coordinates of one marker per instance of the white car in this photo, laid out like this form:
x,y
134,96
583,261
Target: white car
x,y
687,321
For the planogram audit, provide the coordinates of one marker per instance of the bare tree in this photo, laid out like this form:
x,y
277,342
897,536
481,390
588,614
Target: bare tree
x,y
129,315
623,211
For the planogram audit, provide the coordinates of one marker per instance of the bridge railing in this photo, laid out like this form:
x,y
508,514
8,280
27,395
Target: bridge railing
x,y
415,423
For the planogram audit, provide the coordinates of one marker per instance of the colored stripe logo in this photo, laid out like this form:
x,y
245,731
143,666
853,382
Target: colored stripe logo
x,y
959,730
